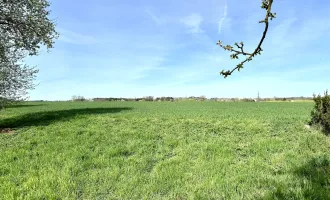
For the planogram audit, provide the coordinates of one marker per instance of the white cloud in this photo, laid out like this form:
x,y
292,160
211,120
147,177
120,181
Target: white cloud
x,y
224,17
193,23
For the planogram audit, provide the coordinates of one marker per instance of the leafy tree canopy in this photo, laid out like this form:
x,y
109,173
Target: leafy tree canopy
x,y
24,27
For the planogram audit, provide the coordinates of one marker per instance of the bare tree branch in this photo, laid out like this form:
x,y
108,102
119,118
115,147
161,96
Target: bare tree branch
x,y
267,5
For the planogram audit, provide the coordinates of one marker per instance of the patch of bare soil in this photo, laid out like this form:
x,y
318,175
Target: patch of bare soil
x,y
8,131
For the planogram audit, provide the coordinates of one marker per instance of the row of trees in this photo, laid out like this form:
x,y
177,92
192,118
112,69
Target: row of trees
x,y
200,98
146,98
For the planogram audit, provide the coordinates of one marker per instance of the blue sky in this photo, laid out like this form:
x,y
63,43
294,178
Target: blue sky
x,y
125,48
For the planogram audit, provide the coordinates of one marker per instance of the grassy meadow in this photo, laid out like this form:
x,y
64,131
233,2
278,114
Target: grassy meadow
x,y
162,150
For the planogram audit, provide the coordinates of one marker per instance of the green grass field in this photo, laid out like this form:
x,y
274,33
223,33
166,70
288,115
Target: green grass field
x,y
162,150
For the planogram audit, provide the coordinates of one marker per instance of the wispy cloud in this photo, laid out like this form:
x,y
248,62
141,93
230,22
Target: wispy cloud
x,y
313,29
193,23
221,21
154,18
131,53
75,38
281,30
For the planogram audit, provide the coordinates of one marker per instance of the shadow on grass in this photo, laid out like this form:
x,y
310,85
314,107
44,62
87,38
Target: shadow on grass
x,y
313,182
318,127
23,105
326,132
47,117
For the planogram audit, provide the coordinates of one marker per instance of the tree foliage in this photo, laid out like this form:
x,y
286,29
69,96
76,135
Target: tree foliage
x,y
238,49
321,112
24,27
15,80
78,98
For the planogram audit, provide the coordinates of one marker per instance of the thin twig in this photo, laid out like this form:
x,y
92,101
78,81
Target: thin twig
x,y
266,4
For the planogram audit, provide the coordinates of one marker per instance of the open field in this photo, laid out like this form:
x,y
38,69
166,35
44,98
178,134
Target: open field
x,y
162,150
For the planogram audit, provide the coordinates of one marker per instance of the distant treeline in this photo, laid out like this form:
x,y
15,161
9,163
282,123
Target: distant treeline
x,y
203,98
148,98
191,98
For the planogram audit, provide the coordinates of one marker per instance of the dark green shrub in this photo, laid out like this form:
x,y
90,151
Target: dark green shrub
x,y
321,112
248,100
